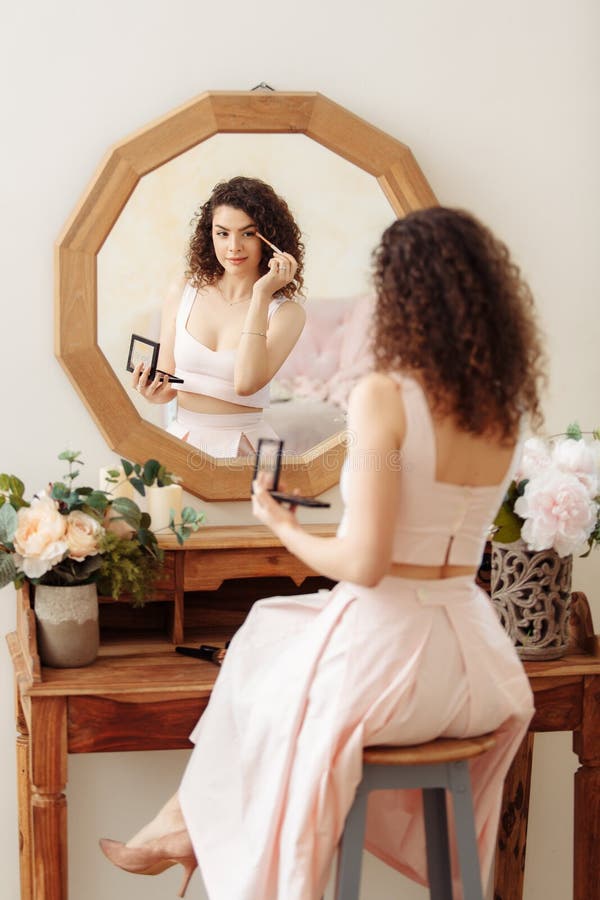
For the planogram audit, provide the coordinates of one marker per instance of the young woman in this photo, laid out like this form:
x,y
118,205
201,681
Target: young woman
x,y
230,323
405,648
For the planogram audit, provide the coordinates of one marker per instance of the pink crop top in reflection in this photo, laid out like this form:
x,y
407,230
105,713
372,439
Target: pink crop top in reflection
x,y
436,523
206,371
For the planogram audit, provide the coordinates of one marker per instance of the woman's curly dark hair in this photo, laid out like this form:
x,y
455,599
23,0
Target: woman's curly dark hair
x,y
268,211
453,309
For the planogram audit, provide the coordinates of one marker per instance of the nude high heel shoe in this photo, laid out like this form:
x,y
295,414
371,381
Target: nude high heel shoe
x,y
154,857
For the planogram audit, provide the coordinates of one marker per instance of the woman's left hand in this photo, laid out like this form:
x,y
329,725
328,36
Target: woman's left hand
x,y
269,511
282,270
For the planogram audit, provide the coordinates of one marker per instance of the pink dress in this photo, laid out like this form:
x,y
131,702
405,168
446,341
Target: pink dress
x,y
310,680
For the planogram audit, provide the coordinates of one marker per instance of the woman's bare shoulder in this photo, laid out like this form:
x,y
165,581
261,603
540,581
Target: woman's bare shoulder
x,y
289,310
174,293
376,387
377,408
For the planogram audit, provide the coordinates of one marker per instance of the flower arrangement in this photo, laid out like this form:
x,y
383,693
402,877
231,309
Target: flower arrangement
x,y
553,501
71,535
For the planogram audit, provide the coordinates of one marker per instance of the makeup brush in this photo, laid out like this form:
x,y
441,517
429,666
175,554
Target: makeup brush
x,y
268,243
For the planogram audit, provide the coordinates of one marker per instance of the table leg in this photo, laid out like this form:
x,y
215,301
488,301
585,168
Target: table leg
x,y
24,804
586,846
48,803
177,609
512,835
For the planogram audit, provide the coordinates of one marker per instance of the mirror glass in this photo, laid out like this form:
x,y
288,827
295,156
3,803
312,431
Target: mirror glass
x,y
341,211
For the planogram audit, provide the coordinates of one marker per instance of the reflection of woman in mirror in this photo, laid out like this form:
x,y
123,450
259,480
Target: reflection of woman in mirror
x,y
229,324
406,648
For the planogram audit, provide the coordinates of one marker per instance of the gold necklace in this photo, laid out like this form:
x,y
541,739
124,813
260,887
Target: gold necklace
x,y
231,302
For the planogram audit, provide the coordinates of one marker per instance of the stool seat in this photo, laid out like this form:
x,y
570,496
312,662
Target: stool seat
x,y
436,768
439,751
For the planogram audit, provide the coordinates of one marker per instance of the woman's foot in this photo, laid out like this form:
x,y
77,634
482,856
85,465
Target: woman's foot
x,y
155,856
168,821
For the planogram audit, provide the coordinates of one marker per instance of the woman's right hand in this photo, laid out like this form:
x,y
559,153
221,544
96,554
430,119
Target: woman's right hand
x,y
282,270
158,390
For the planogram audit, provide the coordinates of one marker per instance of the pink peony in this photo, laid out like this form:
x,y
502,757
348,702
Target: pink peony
x,y
581,459
535,458
83,535
40,538
558,513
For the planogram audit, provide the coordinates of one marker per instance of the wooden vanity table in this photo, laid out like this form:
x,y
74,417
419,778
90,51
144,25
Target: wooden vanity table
x,y
140,695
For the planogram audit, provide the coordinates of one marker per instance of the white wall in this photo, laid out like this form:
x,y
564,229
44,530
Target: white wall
x,y
499,104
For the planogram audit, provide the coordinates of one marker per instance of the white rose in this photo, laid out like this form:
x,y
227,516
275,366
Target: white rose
x,y
83,535
40,538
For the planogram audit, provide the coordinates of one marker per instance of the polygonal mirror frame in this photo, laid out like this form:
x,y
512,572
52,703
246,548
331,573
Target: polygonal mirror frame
x,y
76,343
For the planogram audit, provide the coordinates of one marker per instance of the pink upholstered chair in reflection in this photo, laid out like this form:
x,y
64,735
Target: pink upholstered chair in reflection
x,y
309,395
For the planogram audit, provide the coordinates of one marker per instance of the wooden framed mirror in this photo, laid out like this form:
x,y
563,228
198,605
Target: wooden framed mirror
x,y
76,344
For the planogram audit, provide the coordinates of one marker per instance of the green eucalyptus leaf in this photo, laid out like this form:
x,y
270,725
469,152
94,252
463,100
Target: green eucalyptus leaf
x,y
146,538
16,486
139,485
8,570
69,455
145,520
60,491
71,501
127,510
97,500
16,502
8,523
151,470
127,467
191,516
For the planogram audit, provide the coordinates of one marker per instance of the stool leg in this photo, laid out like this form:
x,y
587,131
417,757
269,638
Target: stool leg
x,y
438,852
466,839
351,848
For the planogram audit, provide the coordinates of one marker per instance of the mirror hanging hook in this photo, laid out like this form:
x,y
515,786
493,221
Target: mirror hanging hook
x,y
263,86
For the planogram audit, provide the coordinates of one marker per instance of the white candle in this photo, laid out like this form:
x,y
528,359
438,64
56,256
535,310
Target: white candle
x,y
164,504
121,488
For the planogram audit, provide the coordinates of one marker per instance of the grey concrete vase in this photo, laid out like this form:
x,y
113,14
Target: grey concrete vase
x,y
67,625
531,592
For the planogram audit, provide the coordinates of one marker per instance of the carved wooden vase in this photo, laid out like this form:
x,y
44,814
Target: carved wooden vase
x,y
531,592
67,625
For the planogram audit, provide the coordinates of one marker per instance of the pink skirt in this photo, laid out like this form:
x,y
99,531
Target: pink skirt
x,y
308,682
220,435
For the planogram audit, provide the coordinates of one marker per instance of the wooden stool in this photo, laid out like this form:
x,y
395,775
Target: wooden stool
x,y
434,767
